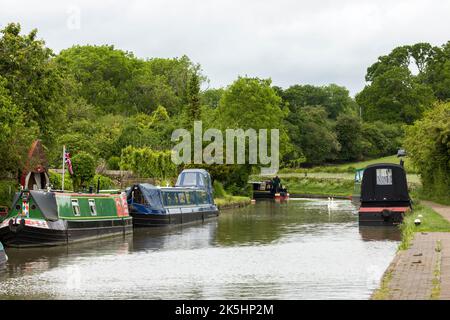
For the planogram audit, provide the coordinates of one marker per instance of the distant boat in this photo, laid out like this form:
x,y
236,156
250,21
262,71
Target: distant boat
x,y
191,200
3,256
384,195
265,190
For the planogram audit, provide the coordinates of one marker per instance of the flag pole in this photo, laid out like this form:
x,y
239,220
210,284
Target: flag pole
x,y
63,167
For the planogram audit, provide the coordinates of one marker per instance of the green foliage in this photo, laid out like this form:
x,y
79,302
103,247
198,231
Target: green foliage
x,y
7,190
113,163
15,136
428,144
106,183
333,98
36,85
194,110
311,131
83,170
348,133
146,162
219,191
56,181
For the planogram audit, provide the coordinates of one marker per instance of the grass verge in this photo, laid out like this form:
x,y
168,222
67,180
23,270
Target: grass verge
x,y
382,293
231,201
431,221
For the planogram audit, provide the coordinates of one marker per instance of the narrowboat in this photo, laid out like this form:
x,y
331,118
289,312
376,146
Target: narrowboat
x,y
47,218
191,200
3,256
265,190
384,195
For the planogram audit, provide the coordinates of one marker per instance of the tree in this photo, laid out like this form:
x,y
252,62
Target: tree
x,y
15,136
311,132
348,133
394,96
194,110
335,99
428,144
394,93
83,165
33,80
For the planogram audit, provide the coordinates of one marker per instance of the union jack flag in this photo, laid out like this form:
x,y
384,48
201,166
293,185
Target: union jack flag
x,y
68,162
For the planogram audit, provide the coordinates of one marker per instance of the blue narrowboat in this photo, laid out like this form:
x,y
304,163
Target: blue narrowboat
x,y
191,200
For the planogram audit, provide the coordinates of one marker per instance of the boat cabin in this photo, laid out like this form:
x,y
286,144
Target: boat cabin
x,y
384,194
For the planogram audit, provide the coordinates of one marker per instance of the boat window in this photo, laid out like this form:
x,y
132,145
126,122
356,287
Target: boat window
x,y
182,198
202,197
75,207
190,197
92,207
384,177
190,179
170,199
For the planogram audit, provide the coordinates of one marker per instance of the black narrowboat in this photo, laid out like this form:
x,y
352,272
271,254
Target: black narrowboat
x,y
265,190
384,195
191,200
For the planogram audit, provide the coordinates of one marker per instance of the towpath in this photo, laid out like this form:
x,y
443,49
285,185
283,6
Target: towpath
x,y
422,271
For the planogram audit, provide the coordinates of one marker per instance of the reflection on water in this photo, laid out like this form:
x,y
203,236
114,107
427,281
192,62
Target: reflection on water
x,y
300,249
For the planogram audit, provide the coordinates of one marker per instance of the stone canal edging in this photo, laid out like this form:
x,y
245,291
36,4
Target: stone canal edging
x,y
422,271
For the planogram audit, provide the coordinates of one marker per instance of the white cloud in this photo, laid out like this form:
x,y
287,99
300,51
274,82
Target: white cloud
x,y
317,42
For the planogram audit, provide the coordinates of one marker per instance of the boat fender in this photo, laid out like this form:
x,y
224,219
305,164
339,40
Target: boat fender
x,y
16,227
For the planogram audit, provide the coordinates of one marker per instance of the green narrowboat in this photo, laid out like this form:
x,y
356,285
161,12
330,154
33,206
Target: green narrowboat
x,y
47,218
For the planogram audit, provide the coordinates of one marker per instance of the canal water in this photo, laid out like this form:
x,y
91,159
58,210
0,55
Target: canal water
x,y
299,249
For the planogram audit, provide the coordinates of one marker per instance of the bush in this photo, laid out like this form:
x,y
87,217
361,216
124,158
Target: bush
x,y
105,182
56,181
219,191
113,163
83,169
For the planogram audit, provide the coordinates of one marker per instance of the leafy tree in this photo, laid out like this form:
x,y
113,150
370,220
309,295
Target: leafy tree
x,y
211,97
437,73
428,144
35,84
394,94
15,136
348,133
311,131
83,169
194,110
335,99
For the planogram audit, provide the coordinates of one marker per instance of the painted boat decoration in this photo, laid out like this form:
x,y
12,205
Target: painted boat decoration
x,y
384,195
265,190
191,200
3,256
44,218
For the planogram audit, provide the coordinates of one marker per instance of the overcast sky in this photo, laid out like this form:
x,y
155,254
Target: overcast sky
x,y
306,42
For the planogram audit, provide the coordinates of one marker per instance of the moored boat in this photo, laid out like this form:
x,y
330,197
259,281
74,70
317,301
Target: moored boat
x,y
265,190
3,256
191,200
46,217
384,195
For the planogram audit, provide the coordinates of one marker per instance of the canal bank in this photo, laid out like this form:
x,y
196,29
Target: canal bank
x,y
421,267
